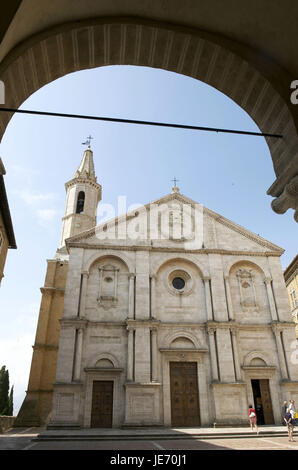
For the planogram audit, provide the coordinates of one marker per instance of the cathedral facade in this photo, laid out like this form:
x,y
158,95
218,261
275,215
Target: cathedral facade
x,y
170,315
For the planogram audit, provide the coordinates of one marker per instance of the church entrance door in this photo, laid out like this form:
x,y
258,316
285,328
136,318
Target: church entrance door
x,y
262,399
185,410
102,404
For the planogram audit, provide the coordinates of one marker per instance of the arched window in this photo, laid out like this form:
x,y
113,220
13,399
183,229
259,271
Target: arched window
x,y
80,202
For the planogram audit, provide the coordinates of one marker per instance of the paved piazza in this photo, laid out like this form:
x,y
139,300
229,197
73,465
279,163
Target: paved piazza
x,y
21,439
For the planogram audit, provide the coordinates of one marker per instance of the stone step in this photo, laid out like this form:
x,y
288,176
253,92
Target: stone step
x,y
87,436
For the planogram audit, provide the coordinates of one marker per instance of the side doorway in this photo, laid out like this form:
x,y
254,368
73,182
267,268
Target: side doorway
x,y
185,410
262,400
102,404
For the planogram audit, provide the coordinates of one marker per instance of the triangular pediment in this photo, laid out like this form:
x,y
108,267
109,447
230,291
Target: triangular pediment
x,y
173,221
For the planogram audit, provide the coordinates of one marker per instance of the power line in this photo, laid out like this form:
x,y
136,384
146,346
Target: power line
x,y
145,123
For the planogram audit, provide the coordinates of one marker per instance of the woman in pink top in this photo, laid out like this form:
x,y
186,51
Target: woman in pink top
x,y
252,418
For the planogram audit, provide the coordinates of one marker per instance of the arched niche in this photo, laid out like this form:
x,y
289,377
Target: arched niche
x,y
182,343
178,262
103,360
107,288
248,290
108,256
181,339
256,359
257,362
104,364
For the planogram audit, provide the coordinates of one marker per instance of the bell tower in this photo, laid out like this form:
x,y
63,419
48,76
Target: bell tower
x,y
83,194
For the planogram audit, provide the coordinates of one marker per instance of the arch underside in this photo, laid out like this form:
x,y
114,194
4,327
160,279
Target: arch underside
x,y
114,41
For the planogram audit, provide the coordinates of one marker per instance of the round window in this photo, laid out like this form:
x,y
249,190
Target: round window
x,y
178,283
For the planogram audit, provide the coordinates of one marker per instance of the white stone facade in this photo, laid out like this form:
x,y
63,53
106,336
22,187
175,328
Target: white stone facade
x,y
124,321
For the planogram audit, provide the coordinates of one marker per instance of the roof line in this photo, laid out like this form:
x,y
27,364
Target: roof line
x,y
221,219
5,212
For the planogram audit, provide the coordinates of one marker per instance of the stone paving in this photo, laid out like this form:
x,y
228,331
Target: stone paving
x,y
158,440
275,443
158,432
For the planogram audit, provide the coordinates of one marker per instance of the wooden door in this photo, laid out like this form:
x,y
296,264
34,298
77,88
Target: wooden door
x,y
266,401
102,404
185,409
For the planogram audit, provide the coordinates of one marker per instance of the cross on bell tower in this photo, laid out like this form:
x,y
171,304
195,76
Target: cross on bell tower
x,y
175,188
88,141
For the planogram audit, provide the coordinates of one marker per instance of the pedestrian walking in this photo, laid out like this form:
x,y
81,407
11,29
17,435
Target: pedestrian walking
x,y
283,411
293,412
289,422
252,418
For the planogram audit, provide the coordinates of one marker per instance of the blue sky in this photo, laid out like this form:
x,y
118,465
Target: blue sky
x,y
227,173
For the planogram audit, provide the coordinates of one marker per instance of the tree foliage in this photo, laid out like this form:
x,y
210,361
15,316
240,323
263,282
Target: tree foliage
x,y
6,396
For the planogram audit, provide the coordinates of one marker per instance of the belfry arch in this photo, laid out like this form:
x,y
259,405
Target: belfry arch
x,y
254,82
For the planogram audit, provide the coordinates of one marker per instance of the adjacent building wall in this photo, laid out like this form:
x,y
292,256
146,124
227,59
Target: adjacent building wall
x,y
37,405
291,280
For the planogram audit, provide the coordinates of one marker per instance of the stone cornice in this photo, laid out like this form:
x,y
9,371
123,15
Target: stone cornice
x,y
280,326
79,180
236,325
68,384
51,290
291,269
142,384
257,368
130,323
45,347
135,323
115,370
69,216
233,384
146,247
182,325
289,279
78,322
183,350
277,325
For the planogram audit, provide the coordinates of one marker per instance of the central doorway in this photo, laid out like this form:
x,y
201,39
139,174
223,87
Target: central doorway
x,y
185,410
102,404
262,399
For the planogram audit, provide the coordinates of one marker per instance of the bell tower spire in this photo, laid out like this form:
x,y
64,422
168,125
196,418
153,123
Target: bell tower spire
x,y
83,194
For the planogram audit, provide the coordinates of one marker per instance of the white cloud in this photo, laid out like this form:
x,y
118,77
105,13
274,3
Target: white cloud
x,y
23,174
37,201
21,170
31,198
46,215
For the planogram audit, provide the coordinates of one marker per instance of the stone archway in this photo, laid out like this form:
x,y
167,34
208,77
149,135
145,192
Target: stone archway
x,y
235,70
